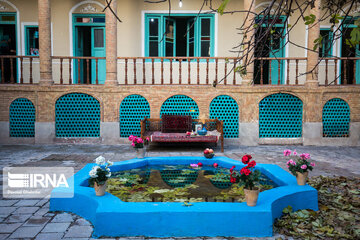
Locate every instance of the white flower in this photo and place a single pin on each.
(110, 163)
(108, 175)
(100, 160)
(95, 168)
(93, 173)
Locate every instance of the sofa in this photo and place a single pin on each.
(173, 128)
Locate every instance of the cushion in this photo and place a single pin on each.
(176, 124)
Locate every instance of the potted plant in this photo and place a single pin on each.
(299, 165)
(138, 143)
(250, 177)
(99, 174)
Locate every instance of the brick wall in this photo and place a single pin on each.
(247, 97)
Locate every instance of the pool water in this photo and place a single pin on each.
(179, 183)
(151, 179)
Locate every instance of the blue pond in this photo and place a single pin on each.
(112, 217)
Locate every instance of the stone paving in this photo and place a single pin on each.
(31, 219)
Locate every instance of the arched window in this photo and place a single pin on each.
(336, 118)
(225, 108)
(77, 115)
(280, 116)
(180, 105)
(133, 109)
(22, 118)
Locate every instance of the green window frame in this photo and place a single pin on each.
(326, 47)
(159, 38)
(276, 49)
(31, 40)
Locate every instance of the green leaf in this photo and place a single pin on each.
(223, 6)
(335, 18)
(288, 209)
(310, 19)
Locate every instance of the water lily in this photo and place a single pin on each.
(194, 165)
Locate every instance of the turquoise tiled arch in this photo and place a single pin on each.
(225, 108)
(180, 105)
(336, 118)
(22, 118)
(77, 115)
(132, 110)
(280, 116)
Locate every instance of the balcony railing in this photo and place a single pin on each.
(179, 70)
(17, 69)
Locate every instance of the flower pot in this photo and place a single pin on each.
(140, 152)
(99, 189)
(301, 178)
(251, 197)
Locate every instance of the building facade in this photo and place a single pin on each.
(70, 72)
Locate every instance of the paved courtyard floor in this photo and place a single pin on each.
(30, 219)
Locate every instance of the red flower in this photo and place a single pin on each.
(200, 164)
(232, 180)
(245, 171)
(251, 164)
(232, 169)
(215, 165)
(245, 159)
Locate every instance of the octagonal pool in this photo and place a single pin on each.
(113, 217)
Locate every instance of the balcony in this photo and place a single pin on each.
(179, 70)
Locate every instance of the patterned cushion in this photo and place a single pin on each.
(176, 124)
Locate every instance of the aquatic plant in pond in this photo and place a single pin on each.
(179, 183)
(176, 219)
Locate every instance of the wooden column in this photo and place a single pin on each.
(249, 39)
(111, 45)
(45, 42)
(313, 56)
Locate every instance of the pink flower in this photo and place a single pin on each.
(287, 152)
(148, 139)
(303, 166)
(312, 164)
(194, 165)
(293, 163)
(305, 156)
(139, 140)
(295, 153)
(131, 137)
(133, 144)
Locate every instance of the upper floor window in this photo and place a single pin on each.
(32, 40)
(181, 35)
(325, 48)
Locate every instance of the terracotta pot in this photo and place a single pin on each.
(301, 178)
(251, 197)
(100, 189)
(140, 152)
